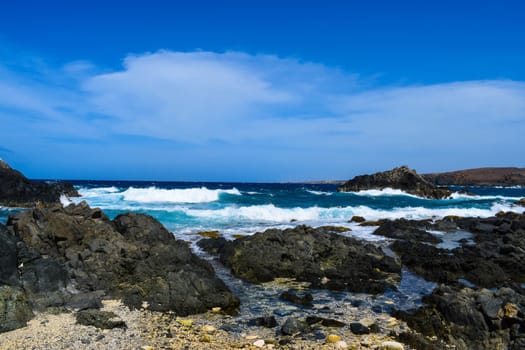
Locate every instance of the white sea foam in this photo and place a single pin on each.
(97, 191)
(272, 214)
(385, 192)
(457, 195)
(65, 201)
(186, 195)
(320, 193)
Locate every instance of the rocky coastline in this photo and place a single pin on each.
(72, 278)
(16, 190)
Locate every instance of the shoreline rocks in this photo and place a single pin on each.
(401, 178)
(62, 257)
(18, 191)
(320, 256)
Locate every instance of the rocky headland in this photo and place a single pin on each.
(16, 190)
(479, 177)
(401, 178)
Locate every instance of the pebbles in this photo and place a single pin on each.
(154, 330)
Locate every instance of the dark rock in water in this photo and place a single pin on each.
(319, 256)
(401, 178)
(303, 299)
(406, 230)
(14, 308)
(497, 257)
(521, 202)
(133, 258)
(99, 319)
(469, 319)
(212, 245)
(357, 219)
(18, 191)
(327, 322)
(264, 321)
(359, 328)
(293, 326)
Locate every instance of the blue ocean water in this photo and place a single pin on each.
(187, 208)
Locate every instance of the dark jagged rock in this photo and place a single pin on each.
(469, 319)
(521, 202)
(319, 256)
(132, 257)
(18, 191)
(303, 299)
(479, 177)
(327, 322)
(264, 321)
(99, 319)
(401, 178)
(14, 308)
(406, 230)
(495, 258)
(359, 328)
(8, 258)
(212, 245)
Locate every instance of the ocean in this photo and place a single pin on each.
(187, 208)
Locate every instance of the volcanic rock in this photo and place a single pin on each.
(469, 319)
(18, 191)
(401, 178)
(133, 258)
(319, 256)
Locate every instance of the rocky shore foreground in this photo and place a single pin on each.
(73, 278)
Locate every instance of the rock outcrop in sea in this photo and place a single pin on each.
(16, 190)
(74, 256)
(401, 178)
(320, 256)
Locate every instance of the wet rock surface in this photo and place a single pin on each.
(18, 191)
(455, 315)
(319, 256)
(74, 256)
(401, 178)
(468, 319)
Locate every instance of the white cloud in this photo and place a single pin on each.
(267, 104)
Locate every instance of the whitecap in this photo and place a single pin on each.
(185, 195)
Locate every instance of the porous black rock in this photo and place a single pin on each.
(465, 318)
(99, 319)
(133, 258)
(320, 256)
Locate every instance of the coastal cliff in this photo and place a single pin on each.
(479, 177)
(16, 190)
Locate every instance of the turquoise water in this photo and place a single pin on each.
(243, 208)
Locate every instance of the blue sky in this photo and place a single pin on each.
(259, 90)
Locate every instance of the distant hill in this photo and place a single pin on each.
(479, 177)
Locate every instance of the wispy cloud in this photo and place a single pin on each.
(280, 114)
